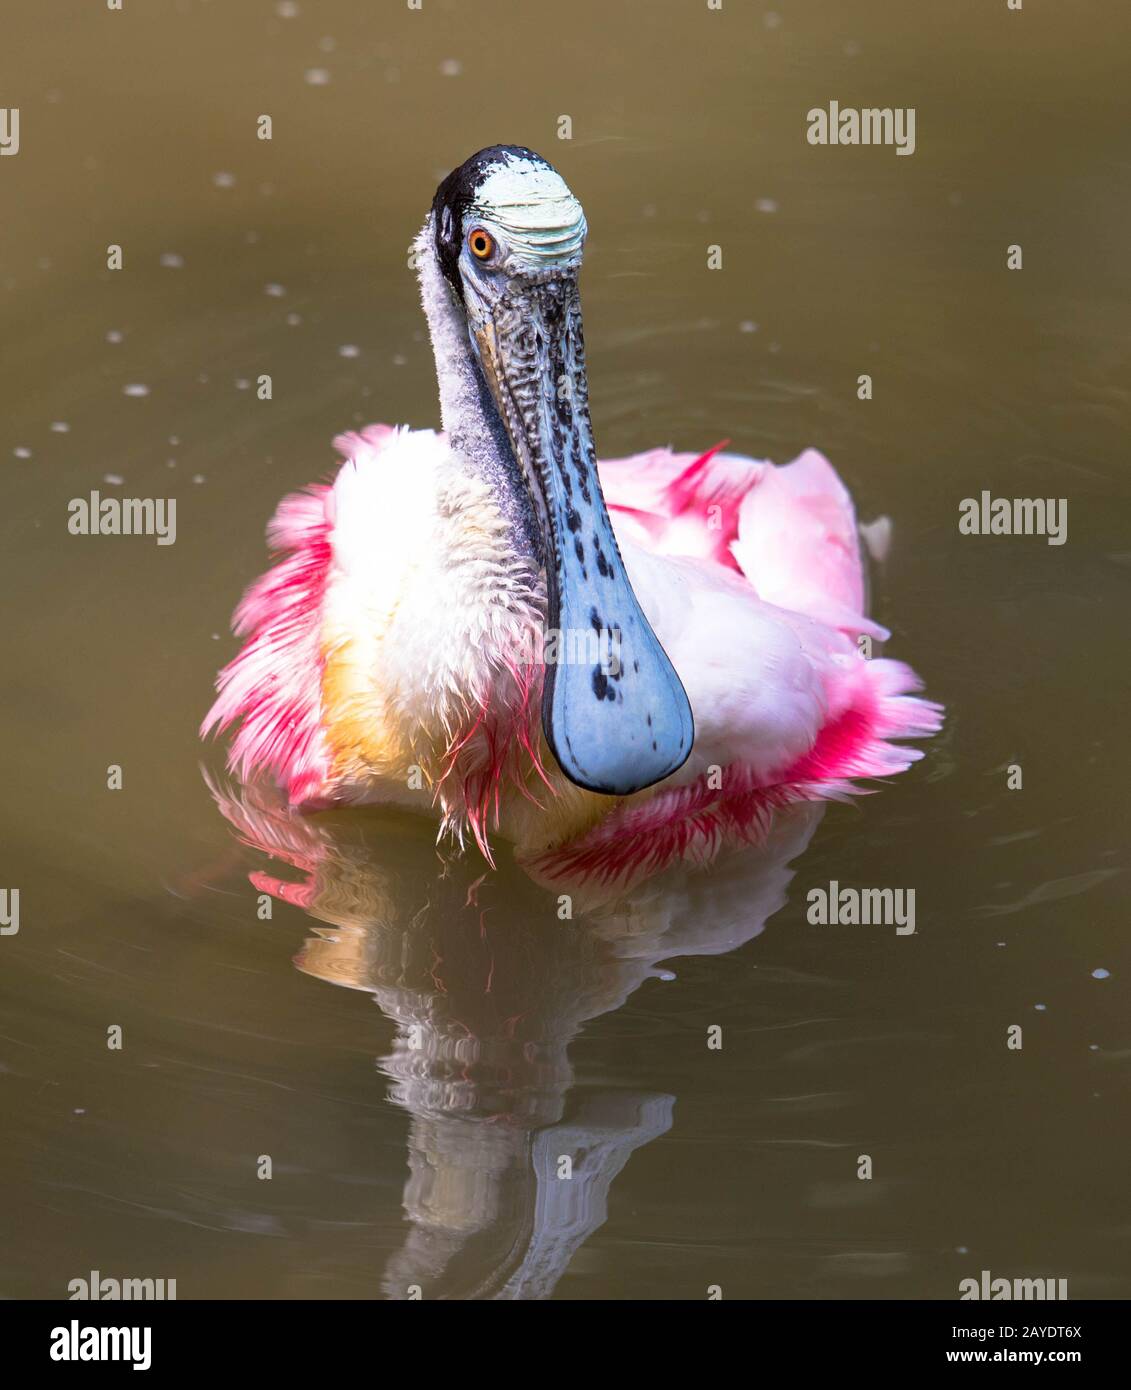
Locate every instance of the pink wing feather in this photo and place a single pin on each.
(791, 532)
(273, 688)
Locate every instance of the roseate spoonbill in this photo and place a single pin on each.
(704, 612)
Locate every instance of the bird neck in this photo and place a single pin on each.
(475, 432)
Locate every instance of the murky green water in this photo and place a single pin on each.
(417, 1046)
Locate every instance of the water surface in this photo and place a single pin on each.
(416, 1046)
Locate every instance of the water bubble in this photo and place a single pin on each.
(22, 452)
(224, 180)
(60, 427)
(135, 388)
(275, 291)
(748, 326)
(766, 205)
(113, 336)
(349, 350)
(451, 67)
(1101, 974)
(316, 77)
(114, 479)
(171, 260)
(286, 9)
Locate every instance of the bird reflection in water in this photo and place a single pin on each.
(488, 978)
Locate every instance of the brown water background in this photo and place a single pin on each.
(288, 257)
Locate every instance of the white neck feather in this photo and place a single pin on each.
(475, 432)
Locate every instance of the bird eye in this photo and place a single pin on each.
(482, 243)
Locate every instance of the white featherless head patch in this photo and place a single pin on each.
(531, 205)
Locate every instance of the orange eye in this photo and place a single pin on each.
(482, 243)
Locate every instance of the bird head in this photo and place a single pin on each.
(508, 237)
